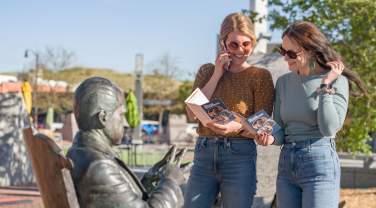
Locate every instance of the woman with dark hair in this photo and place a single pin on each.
(310, 105)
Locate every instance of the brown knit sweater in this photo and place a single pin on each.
(245, 92)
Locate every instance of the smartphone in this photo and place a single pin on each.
(227, 65)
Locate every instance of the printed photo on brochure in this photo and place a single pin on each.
(261, 122)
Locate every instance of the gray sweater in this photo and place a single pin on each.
(303, 113)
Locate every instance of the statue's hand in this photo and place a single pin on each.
(150, 179)
(175, 170)
(165, 168)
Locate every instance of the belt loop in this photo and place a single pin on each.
(227, 143)
(311, 141)
(204, 142)
(333, 143)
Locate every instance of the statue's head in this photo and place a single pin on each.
(99, 104)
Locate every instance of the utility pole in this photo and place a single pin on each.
(37, 73)
(139, 65)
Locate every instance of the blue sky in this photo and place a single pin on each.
(108, 33)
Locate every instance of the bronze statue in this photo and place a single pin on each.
(101, 179)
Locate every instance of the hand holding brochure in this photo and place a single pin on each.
(261, 122)
(208, 111)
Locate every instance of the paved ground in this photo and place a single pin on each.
(359, 198)
(30, 198)
(20, 198)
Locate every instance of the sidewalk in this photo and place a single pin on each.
(20, 198)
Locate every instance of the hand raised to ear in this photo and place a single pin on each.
(337, 67)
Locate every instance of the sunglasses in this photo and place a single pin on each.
(246, 45)
(289, 53)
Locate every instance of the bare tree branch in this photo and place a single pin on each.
(166, 66)
(58, 58)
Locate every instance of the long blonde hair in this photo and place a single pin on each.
(237, 22)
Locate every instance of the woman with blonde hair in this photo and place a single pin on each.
(225, 157)
(310, 105)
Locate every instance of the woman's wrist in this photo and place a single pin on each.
(325, 89)
(249, 134)
(326, 81)
(217, 74)
(239, 131)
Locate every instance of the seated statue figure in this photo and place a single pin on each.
(101, 179)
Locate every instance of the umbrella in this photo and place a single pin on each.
(26, 92)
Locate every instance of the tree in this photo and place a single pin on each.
(58, 58)
(51, 60)
(185, 89)
(350, 26)
(166, 66)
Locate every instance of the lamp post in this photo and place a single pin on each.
(139, 64)
(35, 82)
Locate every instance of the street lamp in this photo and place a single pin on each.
(139, 64)
(35, 82)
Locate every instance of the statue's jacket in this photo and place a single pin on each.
(102, 180)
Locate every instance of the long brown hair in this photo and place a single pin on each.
(308, 36)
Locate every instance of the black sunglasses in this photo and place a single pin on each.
(289, 53)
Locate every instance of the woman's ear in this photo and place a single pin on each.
(102, 117)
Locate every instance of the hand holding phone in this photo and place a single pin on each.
(222, 63)
(227, 64)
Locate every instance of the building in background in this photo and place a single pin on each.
(261, 28)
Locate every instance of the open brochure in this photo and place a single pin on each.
(261, 122)
(208, 111)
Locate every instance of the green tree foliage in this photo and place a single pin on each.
(351, 27)
(132, 115)
(185, 89)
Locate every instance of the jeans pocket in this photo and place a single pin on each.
(197, 151)
(242, 147)
(200, 143)
(336, 164)
(317, 165)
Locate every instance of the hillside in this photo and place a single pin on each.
(154, 86)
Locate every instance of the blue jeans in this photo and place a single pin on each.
(308, 175)
(226, 165)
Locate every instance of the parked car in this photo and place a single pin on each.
(150, 131)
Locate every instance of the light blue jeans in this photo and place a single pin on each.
(225, 165)
(308, 175)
